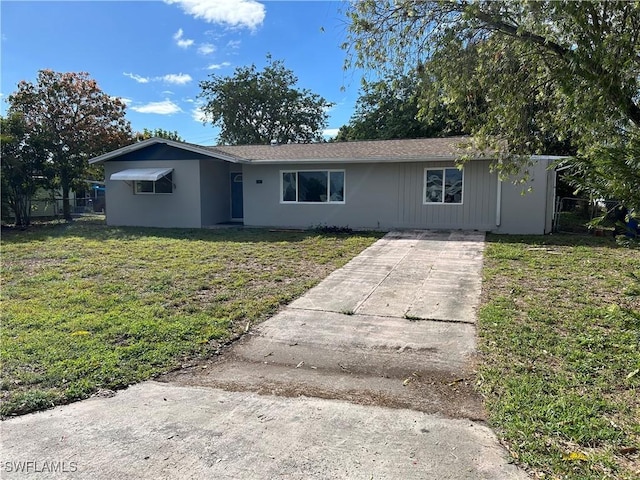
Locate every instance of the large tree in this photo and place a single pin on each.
(23, 167)
(390, 108)
(523, 77)
(74, 119)
(257, 107)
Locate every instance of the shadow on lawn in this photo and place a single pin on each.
(93, 228)
(556, 240)
(96, 229)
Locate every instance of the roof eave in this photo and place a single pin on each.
(172, 143)
(550, 157)
(407, 159)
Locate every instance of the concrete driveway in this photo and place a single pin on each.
(368, 375)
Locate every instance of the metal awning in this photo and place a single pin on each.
(148, 174)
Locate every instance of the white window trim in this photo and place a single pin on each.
(173, 187)
(328, 202)
(424, 186)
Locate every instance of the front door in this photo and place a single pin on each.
(237, 210)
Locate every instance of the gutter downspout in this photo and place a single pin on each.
(554, 187)
(499, 203)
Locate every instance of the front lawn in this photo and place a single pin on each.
(560, 346)
(87, 307)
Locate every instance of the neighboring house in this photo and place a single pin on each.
(383, 184)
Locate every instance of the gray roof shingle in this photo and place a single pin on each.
(369, 150)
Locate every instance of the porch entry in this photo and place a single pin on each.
(237, 209)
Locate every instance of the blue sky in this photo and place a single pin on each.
(154, 53)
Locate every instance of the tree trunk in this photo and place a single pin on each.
(66, 205)
(26, 210)
(21, 206)
(17, 212)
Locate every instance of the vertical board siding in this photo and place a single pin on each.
(381, 195)
(527, 213)
(479, 198)
(159, 151)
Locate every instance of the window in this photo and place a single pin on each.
(312, 186)
(443, 185)
(162, 185)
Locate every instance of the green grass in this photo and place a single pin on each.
(88, 307)
(560, 344)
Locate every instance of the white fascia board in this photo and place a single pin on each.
(550, 157)
(172, 143)
(449, 158)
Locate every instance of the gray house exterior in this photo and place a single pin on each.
(389, 184)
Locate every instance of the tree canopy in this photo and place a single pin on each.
(23, 167)
(390, 108)
(74, 119)
(257, 107)
(159, 133)
(523, 77)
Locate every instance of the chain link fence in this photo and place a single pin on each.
(578, 215)
(52, 207)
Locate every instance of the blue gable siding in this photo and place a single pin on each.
(160, 151)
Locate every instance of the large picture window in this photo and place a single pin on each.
(162, 185)
(312, 186)
(443, 185)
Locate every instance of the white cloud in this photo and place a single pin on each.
(137, 78)
(180, 40)
(218, 66)
(330, 132)
(184, 43)
(199, 115)
(234, 44)
(234, 13)
(170, 78)
(124, 100)
(166, 107)
(206, 49)
(176, 79)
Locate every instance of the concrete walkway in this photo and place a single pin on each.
(368, 375)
